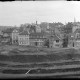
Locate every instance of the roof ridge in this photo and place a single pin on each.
(23, 32)
(58, 36)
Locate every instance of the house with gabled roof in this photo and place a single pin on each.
(37, 39)
(15, 34)
(55, 41)
(23, 38)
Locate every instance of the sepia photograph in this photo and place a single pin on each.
(39, 39)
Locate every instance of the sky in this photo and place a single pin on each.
(20, 12)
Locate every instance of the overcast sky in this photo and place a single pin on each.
(16, 13)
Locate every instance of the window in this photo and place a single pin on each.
(57, 45)
(78, 35)
(20, 42)
(20, 38)
(57, 40)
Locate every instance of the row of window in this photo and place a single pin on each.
(23, 42)
(23, 39)
(37, 40)
(78, 35)
(36, 43)
(36, 36)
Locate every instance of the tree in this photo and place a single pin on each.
(21, 28)
(32, 28)
(46, 43)
(67, 30)
(65, 41)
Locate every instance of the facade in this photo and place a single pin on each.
(71, 40)
(23, 38)
(37, 39)
(55, 41)
(51, 41)
(77, 38)
(15, 34)
(74, 39)
(1, 33)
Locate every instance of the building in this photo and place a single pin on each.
(55, 41)
(1, 33)
(15, 34)
(23, 38)
(77, 38)
(37, 39)
(74, 39)
(71, 40)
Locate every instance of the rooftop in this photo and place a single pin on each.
(77, 31)
(24, 33)
(37, 35)
(55, 37)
